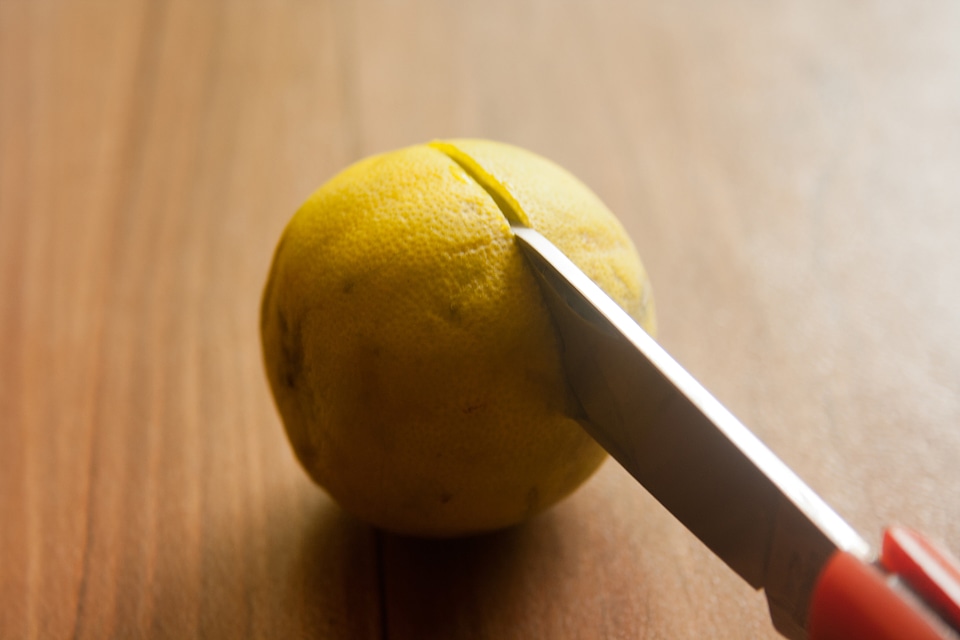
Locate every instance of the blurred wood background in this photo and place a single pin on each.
(789, 171)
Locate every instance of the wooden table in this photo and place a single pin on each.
(789, 171)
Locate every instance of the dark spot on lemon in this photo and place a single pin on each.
(291, 351)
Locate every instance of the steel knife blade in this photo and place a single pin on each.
(686, 448)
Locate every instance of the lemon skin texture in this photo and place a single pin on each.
(410, 354)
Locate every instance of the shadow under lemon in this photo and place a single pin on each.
(560, 574)
(350, 580)
(484, 586)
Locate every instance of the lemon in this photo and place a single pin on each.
(407, 345)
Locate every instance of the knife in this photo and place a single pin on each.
(820, 577)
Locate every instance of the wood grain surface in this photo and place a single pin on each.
(789, 171)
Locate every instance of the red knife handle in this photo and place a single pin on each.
(857, 601)
(929, 570)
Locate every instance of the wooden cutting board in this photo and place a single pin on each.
(789, 171)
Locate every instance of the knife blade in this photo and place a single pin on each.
(689, 451)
